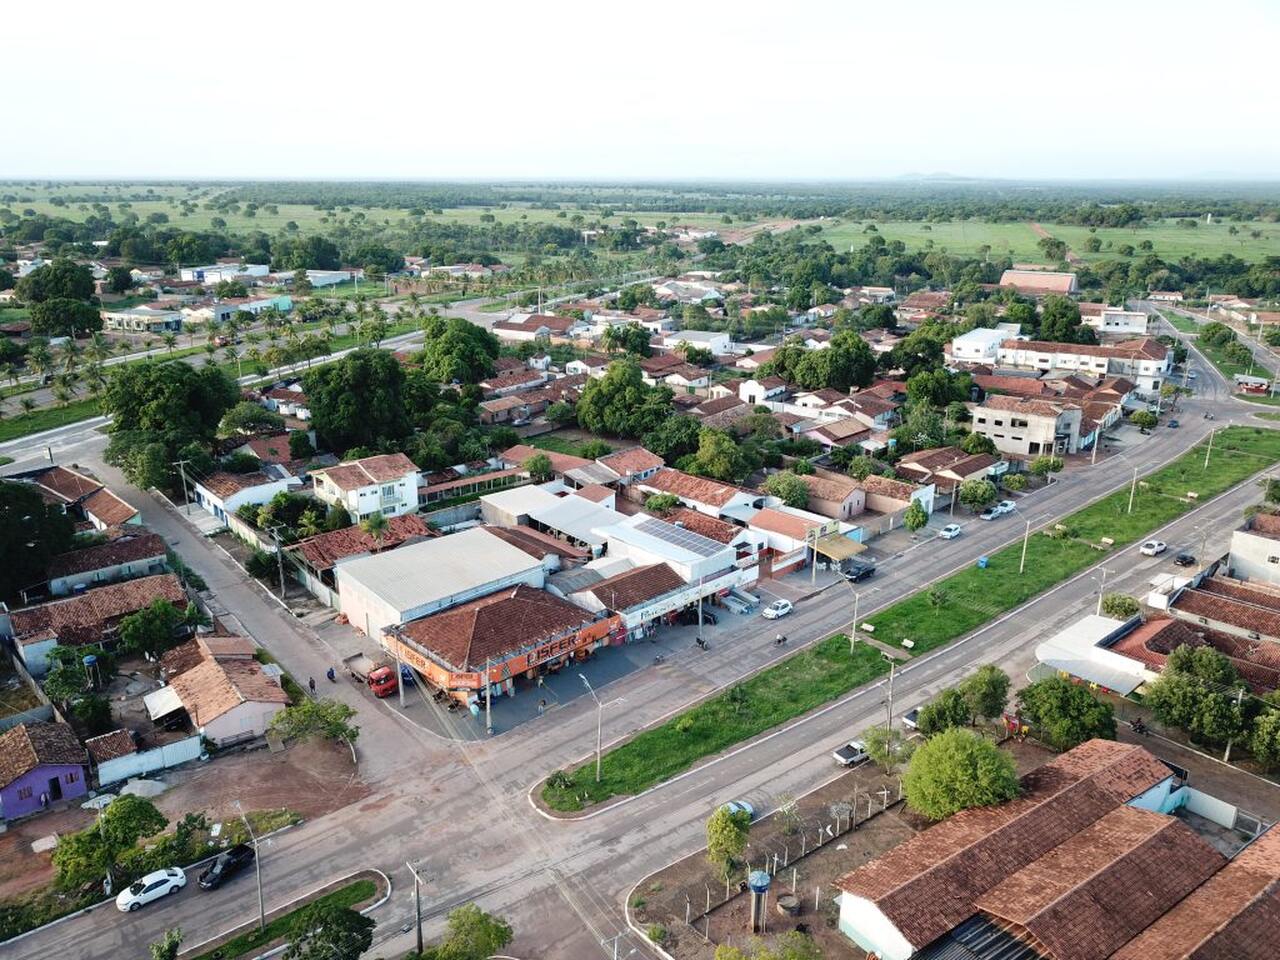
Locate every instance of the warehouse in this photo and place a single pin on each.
(422, 578)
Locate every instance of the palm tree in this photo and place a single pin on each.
(170, 341)
(27, 404)
(375, 525)
(231, 353)
(61, 394)
(99, 347)
(39, 359)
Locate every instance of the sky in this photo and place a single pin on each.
(798, 90)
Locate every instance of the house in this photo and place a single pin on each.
(407, 583)
(222, 493)
(575, 519)
(84, 618)
(891, 497)
(512, 381)
(1090, 861)
(754, 361)
(758, 391)
(713, 529)
(946, 467)
(717, 343)
(642, 539)
(217, 272)
(592, 366)
(872, 410)
(1026, 427)
(522, 327)
(40, 764)
(561, 463)
(478, 649)
(711, 497)
(147, 318)
(1114, 320)
(632, 465)
(273, 450)
(982, 344)
(318, 556)
(126, 555)
(1234, 607)
(720, 407)
(788, 535)
(685, 376)
(228, 695)
(838, 433)
(1039, 283)
(925, 301)
(288, 400)
(834, 495)
(1146, 362)
(81, 496)
(1165, 296)
(513, 408)
(818, 399)
(385, 484)
(1255, 550)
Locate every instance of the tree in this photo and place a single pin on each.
(375, 525)
(60, 278)
(561, 413)
(538, 466)
(1065, 715)
(621, 404)
(721, 457)
(1046, 464)
(1120, 605)
(915, 516)
(1060, 322)
(166, 948)
(1200, 691)
(628, 338)
(674, 438)
(87, 856)
(1264, 741)
(302, 285)
(662, 503)
(151, 630)
(93, 713)
(358, 400)
(1013, 482)
(887, 747)
(247, 417)
(119, 279)
(594, 449)
(31, 534)
(785, 485)
(956, 770)
(976, 443)
(327, 931)
(948, 709)
(847, 362)
(457, 351)
(63, 317)
(1144, 419)
(300, 445)
(985, 692)
(316, 717)
(473, 935)
(727, 838)
(976, 494)
(861, 467)
(792, 945)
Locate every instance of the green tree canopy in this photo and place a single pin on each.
(63, 317)
(915, 516)
(457, 351)
(976, 443)
(948, 709)
(539, 466)
(86, 857)
(1121, 606)
(1199, 691)
(621, 404)
(167, 947)
(61, 278)
(358, 400)
(1065, 715)
(151, 630)
(727, 838)
(247, 417)
(976, 494)
(627, 338)
(316, 717)
(887, 747)
(956, 770)
(472, 935)
(31, 534)
(327, 931)
(985, 692)
(785, 485)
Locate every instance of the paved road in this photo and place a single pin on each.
(461, 810)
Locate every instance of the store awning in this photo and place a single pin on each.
(162, 702)
(1120, 681)
(839, 547)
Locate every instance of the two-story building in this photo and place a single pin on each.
(1027, 426)
(385, 484)
(1146, 362)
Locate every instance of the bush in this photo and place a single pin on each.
(957, 770)
(1144, 419)
(1120, 605)
(261, 565)
(1014, 482)
(657, 933)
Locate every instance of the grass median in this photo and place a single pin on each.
(47, 418)
(930, 618)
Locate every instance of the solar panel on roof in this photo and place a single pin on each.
(680, 537)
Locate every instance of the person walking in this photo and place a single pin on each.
(311, 682)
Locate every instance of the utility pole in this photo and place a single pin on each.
(1026, 536)
(888, 720)
(853, 624)
(279, 556)
(1209, 450)
(488, 699)
(1133, 488)
(182, 469)
(1102, 587)
(1226, 756)
(700, 582)
(599, 720)
(417, 900)
(257, 867)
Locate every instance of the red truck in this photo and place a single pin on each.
(380, 677)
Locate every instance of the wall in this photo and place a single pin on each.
(146, 761)
(37, 780)
(62, 586)
(451, 516)
(1211, 808)
(250, 717)
(1251, 557)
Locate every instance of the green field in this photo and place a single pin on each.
(25, 424)
(1181, 323)
(1015, 240)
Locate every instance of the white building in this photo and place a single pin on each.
(421, 578)
(981, 345)
(1115, 320)
(1028, 427)
(137, 554)
(1146, 362)
(715, 499)
(574, 519)
(143, 319)
(1255, 550)
(717, 343)
(217, 272)
(385, 484)
(223, 493)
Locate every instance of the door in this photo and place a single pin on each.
(55, 789)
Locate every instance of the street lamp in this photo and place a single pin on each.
(257, 867)
(599, 718)
(418, 880)
(1102, 586)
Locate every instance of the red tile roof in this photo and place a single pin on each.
(30, 745)
(354, 474)
(324, 550)
(538, 544)
(496, 627)
(217, 685)
(110, 746)
(1245, 607)
(560, 462)
(1023, 405)
(1145, 348)
(1038, 281)
(787, 524)
(83, 619)
(631, 461)
(710, 527)
(66, 484)
(888, 487)
(113, 553)
(1258, 663)
(830, 488)
(634, 587)
(107, 508)
(1266, 524)
(223, 484)
(274, 449)
(1022, 386)
(687, 487)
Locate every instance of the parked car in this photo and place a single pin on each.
(225, 866)
(911, 719)
(859, 570)
(777, 609)
(1172, 424)
(1184, 560)
(740, 806)
(1153, 548)
(1006, 506)
(991, 513)
(689, 616)
(153, 886)
(949, 532)
(851, 754)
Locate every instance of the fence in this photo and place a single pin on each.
(41, 711)
(146, 761)
(451, 516)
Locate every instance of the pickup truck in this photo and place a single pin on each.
(851, 754)
(380, 677)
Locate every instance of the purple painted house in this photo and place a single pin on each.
(40, 764)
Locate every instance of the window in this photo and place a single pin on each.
(1015, 422)
(72, 777)
(389, 491)
(982, 420)
(1273, 559)
(24, 793)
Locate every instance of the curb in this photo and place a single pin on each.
(287, 905)
(873, 685)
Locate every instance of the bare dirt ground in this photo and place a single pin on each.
(744, 234)
(310, 778)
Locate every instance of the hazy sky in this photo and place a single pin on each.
(781, 90)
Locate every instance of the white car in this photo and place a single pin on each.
(151, 887)
(949, 532)
(740, 806)
(1153, 548)
(779, 608)
(1006, 506)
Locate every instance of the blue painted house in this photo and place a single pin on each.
(40, 764)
